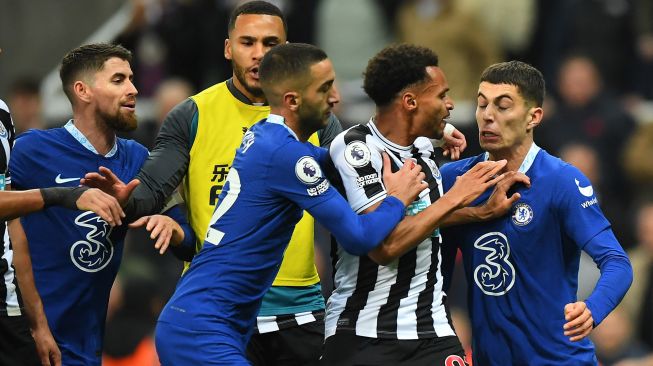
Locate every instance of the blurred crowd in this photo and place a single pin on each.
(596, 56)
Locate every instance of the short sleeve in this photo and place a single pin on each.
(360, 167)
(577, 206)
(297, 175)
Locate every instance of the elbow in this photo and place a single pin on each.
(382, 255)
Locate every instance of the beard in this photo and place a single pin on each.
(240, 75)
(312, 117)
(121, 122)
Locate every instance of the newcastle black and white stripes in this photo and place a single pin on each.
(9, 303)
(404, 299)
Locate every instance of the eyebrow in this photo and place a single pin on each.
(122, 75)
(501, 96)
(265, 39)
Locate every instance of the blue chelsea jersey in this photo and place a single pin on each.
(522, 269)
(75, 254)
(273, 178)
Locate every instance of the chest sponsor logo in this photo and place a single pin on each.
(585, 191)
(522, 214)
(357, 154)
(495, 275)
(95, 251)
(60, 180)
(308, 170)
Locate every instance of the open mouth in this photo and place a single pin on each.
(253, 72)
(131, 105)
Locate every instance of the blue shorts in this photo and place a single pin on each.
(180, 346)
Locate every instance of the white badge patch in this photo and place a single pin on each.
(522, 214)
(3, 131)
(357, 154)
(585, 191)
(308, 170)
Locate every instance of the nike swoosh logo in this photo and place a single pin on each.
(60, 180)
(585, 191)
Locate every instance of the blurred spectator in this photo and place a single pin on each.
(513, 32)
(638, 157)
(587, 113)
(463, 330)
(587, 160)
(639, 300)
(643, 23)
(614, 340)
(167, 95)
(25, 104)
(465, 47)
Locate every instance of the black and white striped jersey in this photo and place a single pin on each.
(9, 303)
(403, 300)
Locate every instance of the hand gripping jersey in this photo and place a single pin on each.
(522, 268)
(403, 300)
(75, 254)
(274, 177)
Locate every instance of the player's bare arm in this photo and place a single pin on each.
(19, 203)
(413, 229)
(46, 347)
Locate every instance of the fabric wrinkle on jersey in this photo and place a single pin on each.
(404, 299)
(75, 254)
(521, 266)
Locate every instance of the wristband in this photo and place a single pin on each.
(446, 132)
(62, 196)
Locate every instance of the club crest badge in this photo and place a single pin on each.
(308, 170)
(357, 154)
(522, 214)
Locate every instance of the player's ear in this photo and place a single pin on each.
(409, 101)
(535, 115)
(82, 91)
(292, 100)
(227, 49)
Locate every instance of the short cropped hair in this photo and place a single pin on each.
(528, 80)
(256, 7)
(395, 68)
(88, 58)
(290, 61)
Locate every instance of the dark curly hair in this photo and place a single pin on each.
(394, 68)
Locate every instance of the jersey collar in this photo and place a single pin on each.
(528, 160)
(79, 136)
(279, 120)
(390, 144)
(238, 94)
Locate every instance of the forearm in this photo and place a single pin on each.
(18, 203)
(616, 275)
(23, 265)
(412, 230)
(466, 215)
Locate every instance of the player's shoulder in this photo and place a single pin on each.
(564, 176)
(216, 90)
(3, 106)
(132, 146)
(33, 137)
